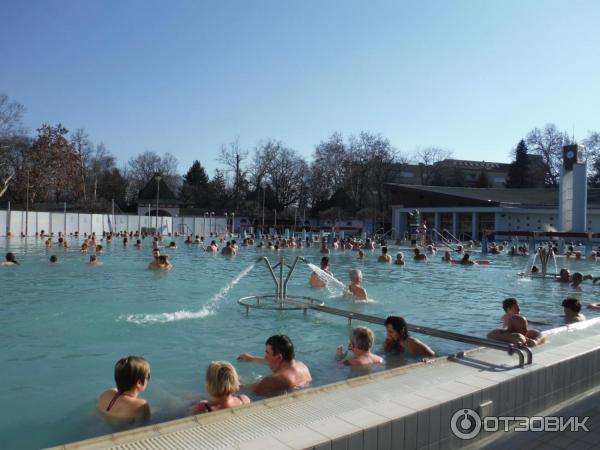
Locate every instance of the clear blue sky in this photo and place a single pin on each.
(186, 76)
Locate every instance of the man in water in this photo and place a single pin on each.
(419, 256)
(287, 372)
(517, 333)
(572, 309)
(398, 340)
(94, 261)
(315, 280)
(511, 308)
(355, 287)
(10, 260)
(154, 263)
(384, 257)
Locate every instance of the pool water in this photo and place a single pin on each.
(64, 326)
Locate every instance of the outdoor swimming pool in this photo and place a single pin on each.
(64, 326)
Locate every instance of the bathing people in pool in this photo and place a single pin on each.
(355, 288)
(54, 259)
(361, 343)
(94, 261)
(384, 257)
(398, 339)
(222, 383)
(399, 259)
(227, 250)
(511, 308)
(212, 247)
(517, 332)
(361, 254)
(132, 375)
(173, 244)
(572, 309)
(11, 260)
(163, 263)
(154, 263)
(315, 280)
(447, 257)
(369, 245)
(419, 256)
(287, 372)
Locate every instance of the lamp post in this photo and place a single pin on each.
(210, 222)
(27, 208)
(204, 226)
(158, 178)
(275, 225)
(226, 225)
(232, 223)
(263, 209)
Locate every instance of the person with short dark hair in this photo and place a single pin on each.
(517, 332)
(384, 257)
(11, 260)
(418, 255)
(132, 375)
(511, 308)
(53, 259)
(287, 372)
(398, 340)
(572, 309)
(315, 280)
(94, 261)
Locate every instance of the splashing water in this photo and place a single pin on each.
(333, 285)
(206, 310)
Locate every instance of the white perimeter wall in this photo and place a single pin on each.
(56, 222)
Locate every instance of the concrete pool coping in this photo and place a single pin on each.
(408, 407)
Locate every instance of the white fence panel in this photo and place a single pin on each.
(31, 223)
(107, 222)
(16, 222)
(72, 223)
(97, 224)
(43, 223)
(188, 223)
(134, 223)
(85, 223)
(57, 223)
(144, 222)
(3, 222)
(121, 223)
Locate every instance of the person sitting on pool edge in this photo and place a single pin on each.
(572, 309)
(384, 257)
(287, 372)
(132, 375)
(398, 340)
(361, 343)
(222, 383)
(355, 288)
(315, 280)
(517, 332)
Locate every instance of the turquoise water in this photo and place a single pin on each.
(64, 326)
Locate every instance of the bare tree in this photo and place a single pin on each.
(232, 157)
(548, 143)
(12, 135)
(427, 159)
(143, 167)
(83, 148)
(592, 147)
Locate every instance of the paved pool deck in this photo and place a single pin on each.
(405, 408)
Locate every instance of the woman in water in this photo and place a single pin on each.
(398, 340)
(132, 375)
(222, 384)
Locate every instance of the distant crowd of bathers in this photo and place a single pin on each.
(222, 384)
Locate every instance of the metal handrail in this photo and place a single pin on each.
(451, 235)
(445, 241)
(483, 342)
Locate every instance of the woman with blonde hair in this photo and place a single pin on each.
(221, 384)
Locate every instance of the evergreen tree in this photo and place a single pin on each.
(518, 172)
(195, 188)
(217, 188)
(483, 181)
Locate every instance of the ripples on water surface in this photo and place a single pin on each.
(64, 326)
